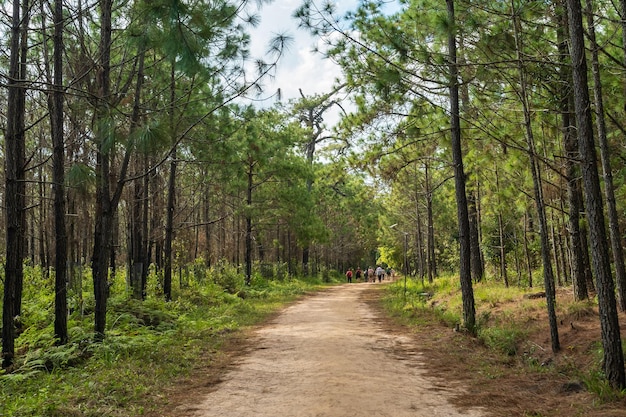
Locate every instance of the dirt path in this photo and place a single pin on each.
(327, 356)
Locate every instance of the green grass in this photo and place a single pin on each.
(504, 323)
(148, 344)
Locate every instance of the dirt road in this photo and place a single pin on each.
(327, 356)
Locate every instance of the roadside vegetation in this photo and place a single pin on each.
(512, 343)
(150, 344)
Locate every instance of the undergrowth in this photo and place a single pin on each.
(505, 322)
(149, 344)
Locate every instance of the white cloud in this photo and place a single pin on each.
(301, 67)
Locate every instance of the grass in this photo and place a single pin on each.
(514, 332)
(148, 346)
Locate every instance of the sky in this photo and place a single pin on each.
(300, 68)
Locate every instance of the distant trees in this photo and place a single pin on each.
(124, 150)
(518, 87)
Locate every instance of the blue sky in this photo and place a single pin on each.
(300, 67)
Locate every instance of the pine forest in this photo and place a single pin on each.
(147, 163)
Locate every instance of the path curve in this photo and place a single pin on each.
(327, 356)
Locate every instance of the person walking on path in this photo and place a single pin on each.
(359, 273)
(370, 275)
(349, 275)
(380, 273)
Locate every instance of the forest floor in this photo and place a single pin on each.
(336, 354)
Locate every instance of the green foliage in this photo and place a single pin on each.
(226, 276)
(504, 330)
(111, 378)
(598, 384)
(504, 339)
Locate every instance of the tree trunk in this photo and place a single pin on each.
(58, 162)
(137, 240)
(103, 212)
(611, 340)
(503, 270)
(529, 267)
(555, 253)
(419, 240)
(171, 200)
(548, 274)
(609, 192)
(476, 261)
(248, 240)
(145, 228)
(15, 186)
(469, 311)
(139, 265)
(206, 205)
(431, 263)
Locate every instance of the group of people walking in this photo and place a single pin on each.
(368, 275)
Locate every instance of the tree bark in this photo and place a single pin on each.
(139, 264)
(171, 203)
(611, 339)
(431, 261)
(548, 273)
(58, 162)
(103, 212)
(248, 239)
(503, 266)
(609, 192)
(476, 261)
(14, 184)
(469, 311)
(570, 143)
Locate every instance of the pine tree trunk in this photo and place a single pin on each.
(609, 192)
(610, 330)
(169, 229)
(529, 267)
(548, 273)
(475, 250)
(469, 311)
(103, 212)
(58, 162)
(503, 271)
(138, 269)
(14, 189)
(431, 263)
(248, 240)
(171, 201)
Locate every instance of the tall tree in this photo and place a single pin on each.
(104, 206)
(609, 189)
(15, 189)
(611, 340)
(570, 144)
(469, 311)
(311, 112)
(58, 161)
(548, 274)
(171, 193)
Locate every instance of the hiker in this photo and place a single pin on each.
(370, 274)
(359, 273)
(349, 275)
(380, 273)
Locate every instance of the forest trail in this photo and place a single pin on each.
(329, 355)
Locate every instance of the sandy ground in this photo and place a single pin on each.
(327, 356)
